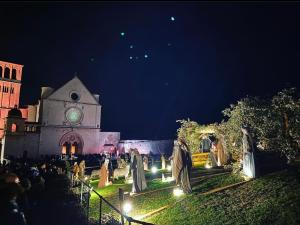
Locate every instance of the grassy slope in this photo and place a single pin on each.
(273, 199)
(148, 202)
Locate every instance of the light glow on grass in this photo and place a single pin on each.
(129, 180)
(127, 207)
(108, 183)
(154, 169)
(169, 168)
(168, 179)
(139, 217)
(177, 192)
(208, 166)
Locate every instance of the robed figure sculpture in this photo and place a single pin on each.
(182, 165)
(248, 154)
(137, 172)
(103, 174)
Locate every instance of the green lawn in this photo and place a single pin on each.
(273, 199)
(148, 202)
(111, 194)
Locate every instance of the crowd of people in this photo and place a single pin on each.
(23, 181)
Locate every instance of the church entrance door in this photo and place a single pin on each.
(71, 143)
(66, 148)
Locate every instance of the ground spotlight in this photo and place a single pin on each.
(207, 166)
(177, 192)
(169, 168)
(154, 169)
(127, 207)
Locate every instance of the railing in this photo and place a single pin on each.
(85, 195)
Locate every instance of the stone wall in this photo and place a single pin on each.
(15, 145)
(146, 146)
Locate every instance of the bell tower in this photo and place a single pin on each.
(10, 85)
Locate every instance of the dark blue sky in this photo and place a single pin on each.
(217, 53)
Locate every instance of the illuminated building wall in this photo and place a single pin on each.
(10, 86)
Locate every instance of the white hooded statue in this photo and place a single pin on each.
(248, 154)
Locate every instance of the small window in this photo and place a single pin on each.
(11, 90)
(7, 73)
(14, 74)
(14, 127)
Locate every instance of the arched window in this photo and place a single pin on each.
(11, 90)
(1, 71)
(14, 127)
(6, 73)
(14, 74)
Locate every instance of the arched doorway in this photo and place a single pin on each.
(71, 143)
(66, 148)
(74, 148)
(210, 141)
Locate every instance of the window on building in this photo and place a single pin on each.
(1, 71)
(14, 127)
(5, 89)
(6, 73)
(11, 90)
(14, 74)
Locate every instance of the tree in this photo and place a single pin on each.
(274, 124)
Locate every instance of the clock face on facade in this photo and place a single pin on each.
(74, 115)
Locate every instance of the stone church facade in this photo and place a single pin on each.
(64, 121)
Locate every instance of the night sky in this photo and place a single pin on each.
(155, 63)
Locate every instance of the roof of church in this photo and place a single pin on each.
(74, 78)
